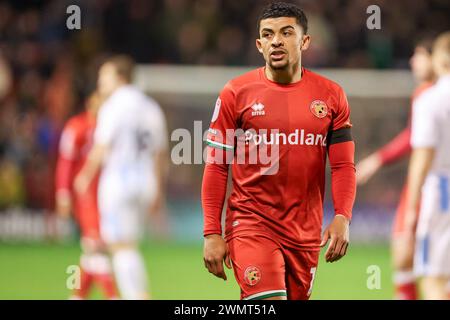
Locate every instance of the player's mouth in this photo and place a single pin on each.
(277, 55)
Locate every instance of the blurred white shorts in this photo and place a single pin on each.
(432, 254)
(123, 205)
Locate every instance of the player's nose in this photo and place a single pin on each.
(277, 41)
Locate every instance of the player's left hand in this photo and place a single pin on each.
(338, 233)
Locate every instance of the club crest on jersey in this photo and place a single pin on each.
(252, 275)
(258, 109)
(319, 109)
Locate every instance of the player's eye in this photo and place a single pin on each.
(267, 35)
(287, 33)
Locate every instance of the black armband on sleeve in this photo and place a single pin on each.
(340, 135)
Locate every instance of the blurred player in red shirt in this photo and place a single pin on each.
(75, 143)
(397, 149)
(277, 125)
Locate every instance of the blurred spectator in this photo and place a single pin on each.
(11, 184)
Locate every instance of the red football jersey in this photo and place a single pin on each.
(75, 144)
(278, 135)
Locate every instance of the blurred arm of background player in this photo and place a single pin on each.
(420, 163)
(395, 150)
(65, 172)
(158, 210)
(161, 171)
(64, 176)
(91, 168)
(419, 166)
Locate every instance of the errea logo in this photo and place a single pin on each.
(258, 109)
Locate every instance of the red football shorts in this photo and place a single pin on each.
(264, 268)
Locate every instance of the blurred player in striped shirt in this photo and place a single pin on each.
(429, 179)
(397, 149)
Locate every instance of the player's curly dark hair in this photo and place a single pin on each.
(284, 9)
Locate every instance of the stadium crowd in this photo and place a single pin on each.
(51, 69)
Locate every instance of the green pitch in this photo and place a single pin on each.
(176, 271)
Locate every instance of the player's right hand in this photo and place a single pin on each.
(215, 253)
(366, 168)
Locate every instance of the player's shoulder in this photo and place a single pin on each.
(114, 105)
(421, 89)
(322, 82)
(76, 122)
(125, 92)
(426, 96)
(244, 80)
(430, 102)
(73, 130)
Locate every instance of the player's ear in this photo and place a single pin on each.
(306, 40)
(259, 46)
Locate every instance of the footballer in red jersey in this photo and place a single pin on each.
(75, 143)
(276, 126)
(402, 249)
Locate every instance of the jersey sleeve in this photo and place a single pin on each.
(341, 150)
(221, 133)
(106, 124)
(341, 117)
(425, 131)
(68, 142)
(397, 148)
(67, 154)
(340, 130)
(220, 140)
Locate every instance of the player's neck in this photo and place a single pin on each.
(292, 74)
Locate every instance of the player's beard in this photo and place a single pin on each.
(279, 65)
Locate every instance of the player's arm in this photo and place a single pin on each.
(393, 151)
(398, 148)
(161, 162)
(419, 165)
(424, 139)
(214, 184)
(341, 151)
(161, 171)
(105, 131)
(91, 168)
(214, 187)
(64, 172)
